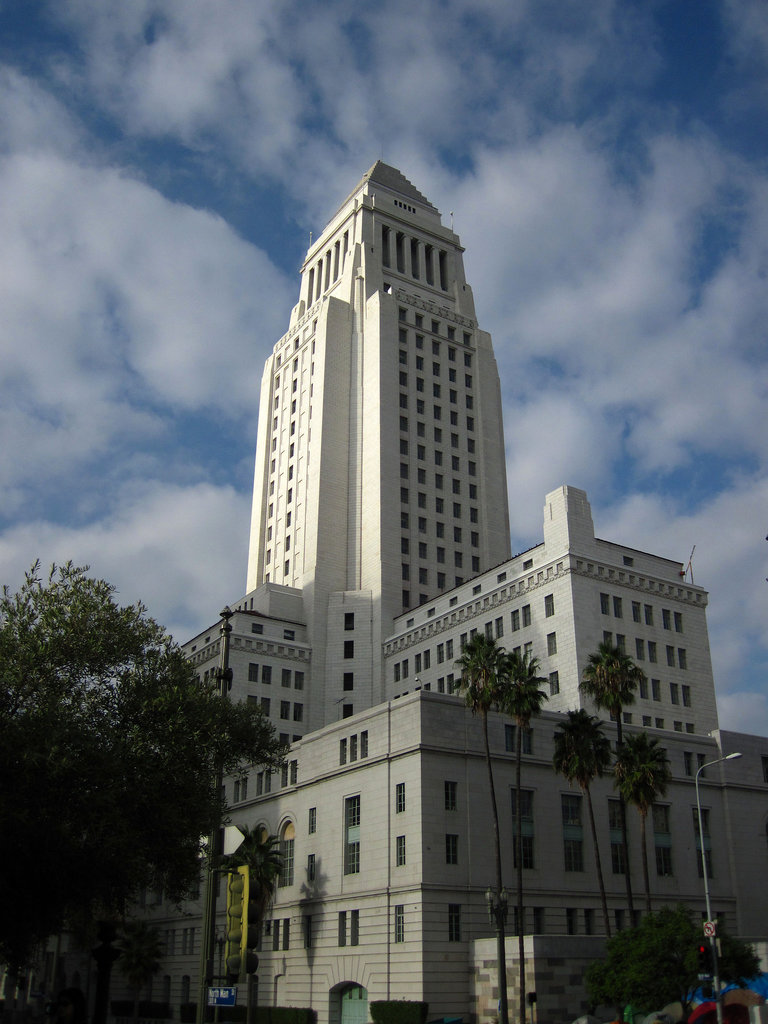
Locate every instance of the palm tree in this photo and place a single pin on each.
(611, 679)
(140, 955)
(482, 667)
(583, 754)
(260, 852)
(522, 699)
(642, 774)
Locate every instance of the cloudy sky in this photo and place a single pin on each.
(163, 162)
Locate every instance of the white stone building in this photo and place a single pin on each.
(379, 544)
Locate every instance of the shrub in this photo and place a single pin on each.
(398, 1011)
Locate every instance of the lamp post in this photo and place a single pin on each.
(497, 912)
(224, 677)
(712, 938)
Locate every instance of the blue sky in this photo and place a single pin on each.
(163, 162)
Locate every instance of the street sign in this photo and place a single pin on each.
(222, 995)
(710, 929)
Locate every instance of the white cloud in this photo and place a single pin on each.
(730, 562)
(120, 309)
(179, 550)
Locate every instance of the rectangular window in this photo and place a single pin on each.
(399, 797)
(666, 618)
(551, 644)
(605, 604)
(451, 795)
(515, 620)
(399, 922)
(678, 622)
(686, 696)
(526, 827)
(285, 677)
(617, 608)
(253, 673)
(618, 862)
(454, 922)
(285, 709)
(352, 835)
(636, 611)
(349, 648)
(399, 850)
(674, 693)
(364, 743)
(554, 683)
(311, 867)
(662, 839)
(656, 689)
(354, 928)
(648, 614)
(682, 658)
(342, 941)
(526, 615)
(639, 649)
(312, 824)
(286, 852)
(652, 652)
(573, 837)
(549, 605)
(451, 848)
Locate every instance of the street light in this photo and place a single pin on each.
(208, 939)
(715, 966)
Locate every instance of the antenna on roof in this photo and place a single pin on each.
(451, 220)
(689, 568)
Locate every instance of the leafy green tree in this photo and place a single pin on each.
(610, 679)
(522, 699)
(111, 748)
(482, 665)
(583, 754)
(141, 952)
(642, 774)
(657, 963)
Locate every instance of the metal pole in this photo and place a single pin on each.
(209, 900)
(712, 938)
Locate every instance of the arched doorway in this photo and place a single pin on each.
(354, 1005)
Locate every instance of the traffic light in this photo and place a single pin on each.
(704, 953)
(242, 931)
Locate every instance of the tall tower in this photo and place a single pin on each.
(380, 476)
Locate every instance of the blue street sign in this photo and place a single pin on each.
(222, 995)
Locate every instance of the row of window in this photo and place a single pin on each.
(676, 657)
(263, 674)
(327, 269)
(434, 328)
(641, 612)
(350, 747)
(186, 946)
(423, 260)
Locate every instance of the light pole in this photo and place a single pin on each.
(208, 938)
(712, 938)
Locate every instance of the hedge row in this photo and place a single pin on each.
(398, 1011)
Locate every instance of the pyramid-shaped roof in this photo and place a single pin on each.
(390, 178)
